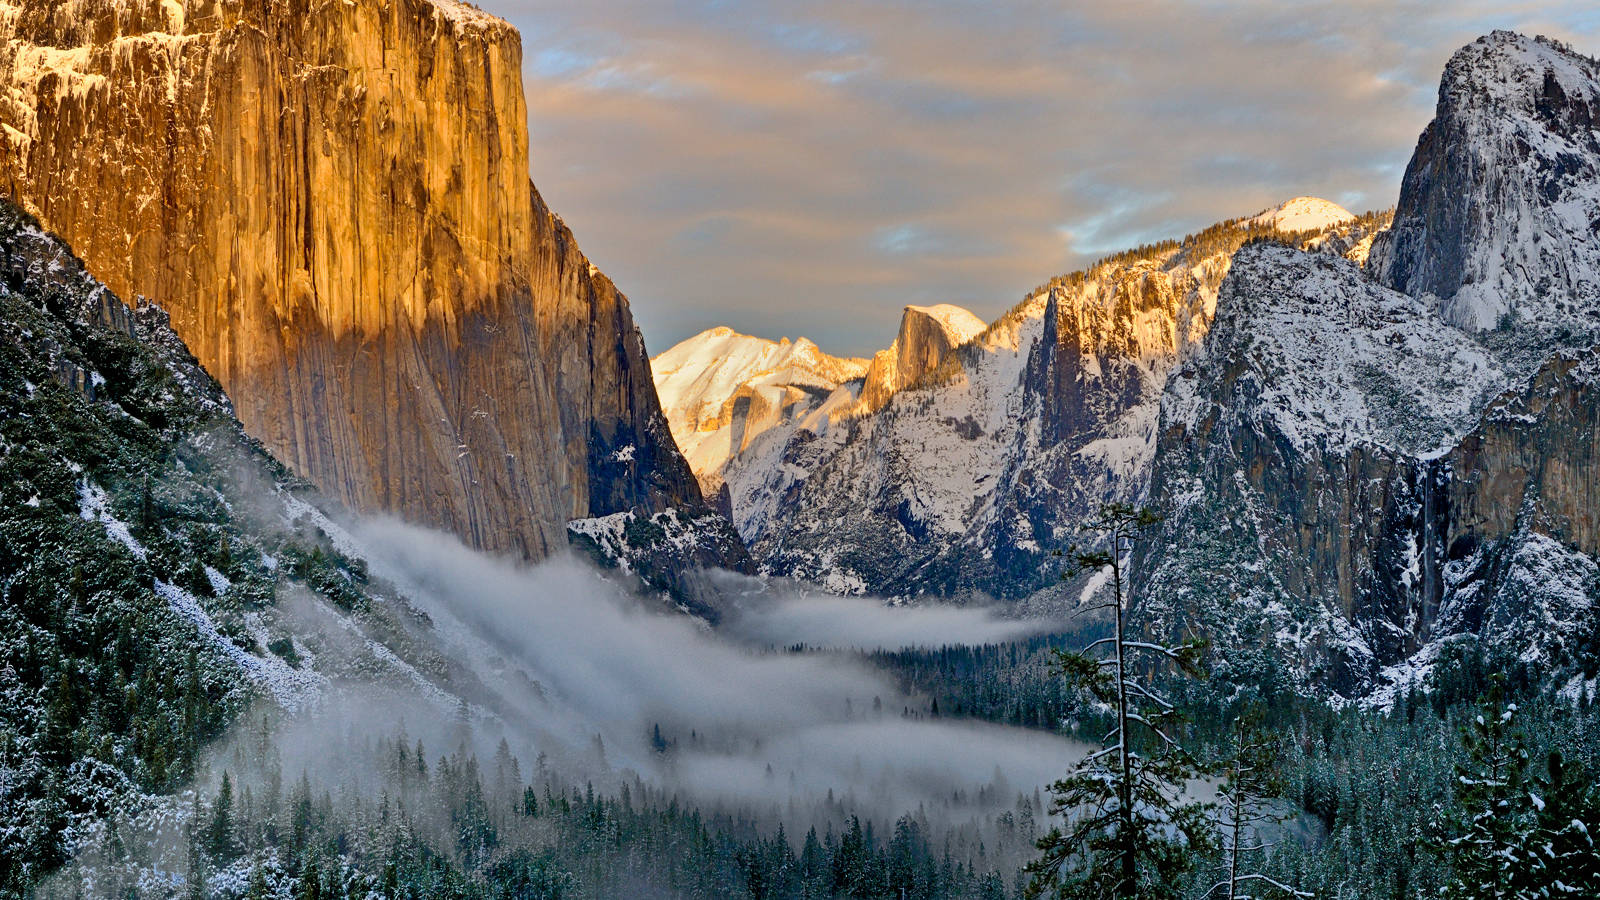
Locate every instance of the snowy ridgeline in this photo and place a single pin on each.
(968, 473)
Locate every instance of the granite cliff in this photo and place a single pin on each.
(928, 336)
(332, 201)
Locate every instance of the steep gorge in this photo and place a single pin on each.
(332, 201)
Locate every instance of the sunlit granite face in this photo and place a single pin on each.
(332, 200)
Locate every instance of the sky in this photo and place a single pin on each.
(809, 168)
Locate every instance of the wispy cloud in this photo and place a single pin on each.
(811, 168)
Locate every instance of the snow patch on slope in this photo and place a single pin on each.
(293, 689)
(1302, 214)
(94, 505)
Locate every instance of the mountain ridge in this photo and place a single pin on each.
(916, 496)
(1421, 488)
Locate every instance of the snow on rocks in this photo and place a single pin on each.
(959, 324)
(1495, 222)
(291, 688)
(1334, 359)
(462, 13)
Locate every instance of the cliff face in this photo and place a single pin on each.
(1499, 205)
(928, 336)
(332, 201)
(1296, 464)
(1350, 516)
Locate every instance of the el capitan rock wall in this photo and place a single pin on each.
(332, 201)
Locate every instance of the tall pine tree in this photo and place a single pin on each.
(1132, 830)
(1491, 827)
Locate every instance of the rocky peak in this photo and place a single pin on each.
(928, 336)
(1499, 209)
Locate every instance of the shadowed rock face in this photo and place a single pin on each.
(332, 201)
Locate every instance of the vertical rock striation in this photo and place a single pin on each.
(332, 201)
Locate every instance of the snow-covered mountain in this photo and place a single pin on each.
(1361, 472)
(971, 469)
(720, 390)
(1498, 208)
(1371, 443)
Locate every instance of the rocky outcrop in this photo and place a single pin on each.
(332, 201)
(1360, 472)
(1535, 458)
(1499, 214)
(1293, 451)
(1346, 557)
(927, 339)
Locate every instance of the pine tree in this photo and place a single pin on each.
(1566, 856)
(1491, 826)
(147, 507)
(219, 838)
(302, 815)
(1252, 777)
(310, 887)
(1130, 830)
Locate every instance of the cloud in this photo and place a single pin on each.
(780, 613)
(811, 168)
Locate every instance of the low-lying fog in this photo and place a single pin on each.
(570, 656)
